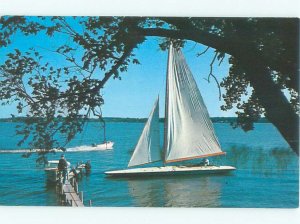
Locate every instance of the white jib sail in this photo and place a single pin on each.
(147, 149)
(189, 131)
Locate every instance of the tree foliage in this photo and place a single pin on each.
(98, 48)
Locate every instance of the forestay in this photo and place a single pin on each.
(189, 131)
(147, 149)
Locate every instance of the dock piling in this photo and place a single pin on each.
(81, 195)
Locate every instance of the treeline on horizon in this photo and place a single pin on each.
(133, 120)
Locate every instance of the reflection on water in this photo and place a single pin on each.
(146, 193)
(179, 191)
(255, 167)
(193, 192)
(50, 193)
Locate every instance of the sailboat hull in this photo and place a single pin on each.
(170, 171)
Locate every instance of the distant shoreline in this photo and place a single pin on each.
(137, 120)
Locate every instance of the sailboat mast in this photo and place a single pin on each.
(166, 107)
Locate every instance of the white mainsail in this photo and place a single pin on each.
(189, 131)
(147, 149)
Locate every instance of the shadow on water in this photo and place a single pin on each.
(259, 160)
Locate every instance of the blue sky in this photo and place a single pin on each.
(134, 95)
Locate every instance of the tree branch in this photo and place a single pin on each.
(203, 52)
(205, 38)
(211, 74)
(115, 67)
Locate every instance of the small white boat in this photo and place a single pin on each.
(108, 145)
(51, 170)
(188, 130)
(104, 146)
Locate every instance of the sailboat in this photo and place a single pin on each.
(188, 130)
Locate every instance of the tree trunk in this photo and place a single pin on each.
(278, 110)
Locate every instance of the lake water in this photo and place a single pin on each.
(266, 176)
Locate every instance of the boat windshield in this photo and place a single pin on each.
(52, 164)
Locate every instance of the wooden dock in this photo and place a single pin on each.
(69, 194)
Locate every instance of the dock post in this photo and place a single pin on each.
(61, 189)
(90, 203)
(63, 199)
(81, 195)
(76, 186)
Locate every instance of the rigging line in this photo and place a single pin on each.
(191, 49)
(104, 124)
(83, 133)
(102, 121)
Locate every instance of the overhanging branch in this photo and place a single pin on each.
(115, 67)
(211, 40)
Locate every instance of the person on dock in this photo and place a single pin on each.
(74, 171)
(63, 168)
(88, 166)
